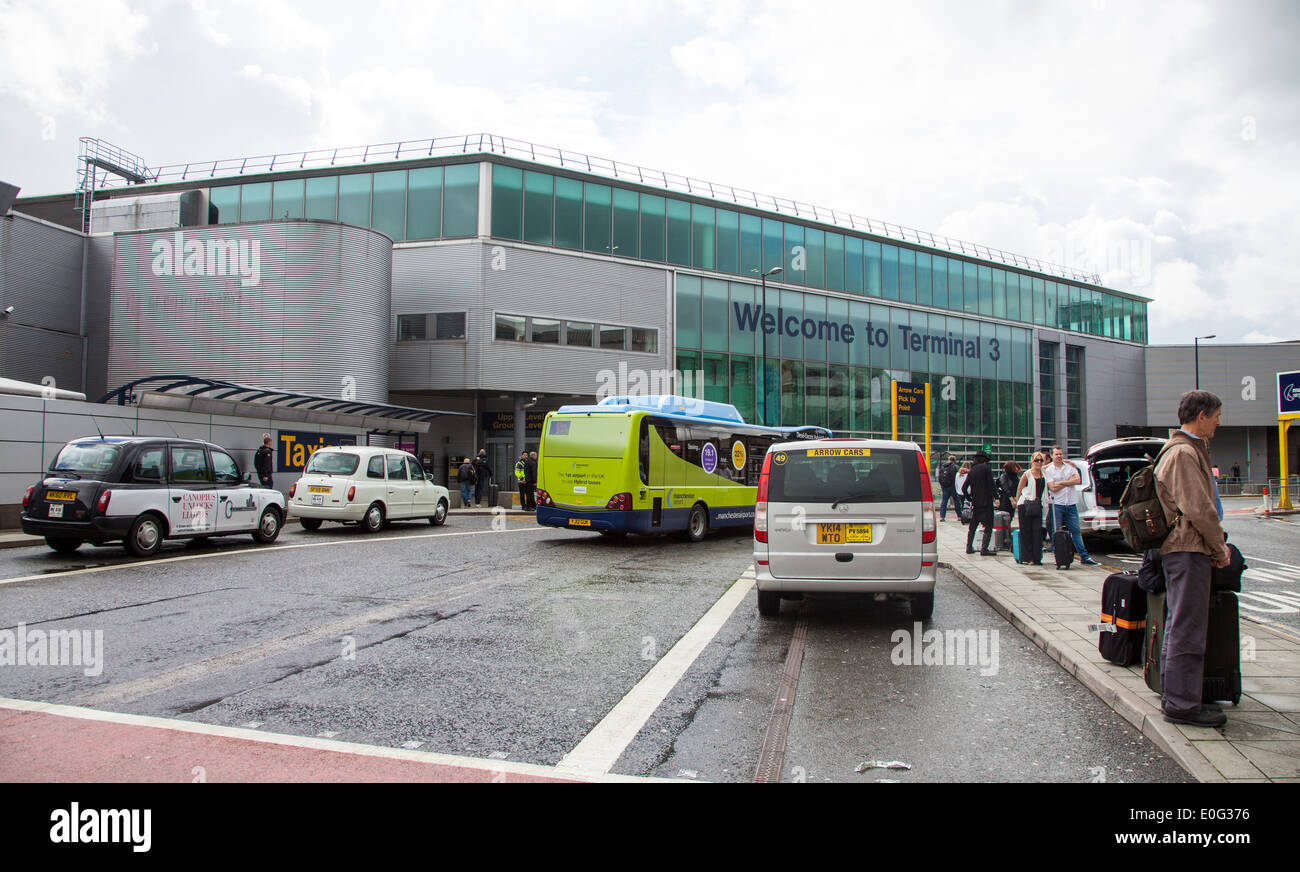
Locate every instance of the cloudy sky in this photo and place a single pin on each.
(1153, 142)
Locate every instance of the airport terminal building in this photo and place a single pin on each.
(504, 279)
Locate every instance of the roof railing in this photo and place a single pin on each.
(488, 143)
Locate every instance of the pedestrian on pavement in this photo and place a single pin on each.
(1007, 486)
(520, 469)
(482, 475)
(1236, 473)
(1063, 482)
(1188, 493)
(948, 482)
(980, 488)
(530, 480)
(465, 475)
(1031, 508)
(263, 461)
(960, 483)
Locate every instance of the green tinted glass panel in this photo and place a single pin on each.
(792, 391)
(999, 294)
(389, 214)
(728, 227)
(713, 322)
(507, 202)
(568, 213)
(815, 327)
(837, 398)
(1050, 312)
(924, 284)
(872, 251)
(814, 243)
(703, 253)
(796, 256)
(716, 378)
(970, 288)
(1040, 302)
(323, 198)
(354, 199)
(773, 253)
(460, 201)
(939, 280)
(423, 203)
(834, 262)
(539, 208)
(789, 306)
(679, 232)
(597, 207)
(907, 275)
(226, 199)
(1011, 283)
(751, 244)
(860, 405)
(652, 227)
(815, 394)
(956, 297)
(688, 311)
(889, 272)
(743, 386)
(255, 202)
(1026, 299)
(626, 231)
(742, 295)
(837, 345)
(984, 280)
(688, 361)
(853, 264)
(286, 199)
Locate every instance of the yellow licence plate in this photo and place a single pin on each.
(318, 489)
(65, 496)
(579, 522)
(842, 534)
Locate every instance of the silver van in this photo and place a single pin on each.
(845, 516)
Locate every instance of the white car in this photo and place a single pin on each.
(1104, 474)
(142, 490)
(367, 486)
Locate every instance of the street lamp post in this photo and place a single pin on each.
(1196, 346)
(776, 270)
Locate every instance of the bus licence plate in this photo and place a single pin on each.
(579, 522)
(841, 534)
(65, 496)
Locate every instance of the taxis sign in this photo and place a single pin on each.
(293, 448)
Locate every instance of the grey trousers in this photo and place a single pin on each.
(1187, 618)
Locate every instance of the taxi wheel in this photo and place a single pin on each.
(268, 527)
(922, 606)
(769, 603)
(145, 537)
(63, 545)
(698, 523)
(440, 514)
(310, 523)
(373, 522)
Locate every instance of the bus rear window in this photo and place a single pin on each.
(594, 436)
(806, 476)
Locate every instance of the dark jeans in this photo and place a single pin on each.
(265, 481)
(527, 499)
(1187, 619)
(980, 515)
(479, 488)
(949, 493)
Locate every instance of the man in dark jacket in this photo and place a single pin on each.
(530, 481)
(465, 476)
(482, 474)
(981, 489)
(263, 461)
(948, 482)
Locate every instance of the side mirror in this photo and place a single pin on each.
(428, 476)
(248, 478)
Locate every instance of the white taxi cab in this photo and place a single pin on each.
(368, 486)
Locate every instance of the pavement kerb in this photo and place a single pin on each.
(1127, 704)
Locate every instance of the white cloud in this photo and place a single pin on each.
(712, 62)
(1258, 336)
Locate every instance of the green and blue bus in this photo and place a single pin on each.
(653, 464)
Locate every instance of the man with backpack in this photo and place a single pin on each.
(482, 474)
(948, 482)
(465, 475)
(1195, 542)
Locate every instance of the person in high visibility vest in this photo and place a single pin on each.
(520, 471)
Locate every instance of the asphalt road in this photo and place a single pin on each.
(513, 644)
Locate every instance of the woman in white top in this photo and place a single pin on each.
(1031, 510)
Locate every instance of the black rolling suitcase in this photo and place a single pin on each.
(1154, 642)
(1063, 548)
(1124, 619)
(1222, 681)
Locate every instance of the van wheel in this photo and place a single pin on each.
(697, 525)
(769, 603)
(373, 522)
(440, 514)
(63, 545)
(145, 537)
(268, 527)
(310, 523)
(922, 606)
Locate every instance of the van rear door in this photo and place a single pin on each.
(828, 502)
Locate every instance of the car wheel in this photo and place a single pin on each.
(310, 523)
(769, 603)
(922, 606)
(63, 545)
(697, 524)
(440, 514)
(268, 526)
(373, 522)
(145, 537)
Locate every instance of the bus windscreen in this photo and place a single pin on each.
(587, 436)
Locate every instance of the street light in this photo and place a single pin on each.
(776, 270)
(1196, 345)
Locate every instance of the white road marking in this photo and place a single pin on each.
(412, 745)
(597, 753)
(1274, 562)
(327, 734)
(264, 550)
(489, 766)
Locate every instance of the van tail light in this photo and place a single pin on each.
(544, 499)
(293, 487)
(620, 502)
(27, 497)
(760, 503)
(929, 525)
(352, 493)
(101, 505)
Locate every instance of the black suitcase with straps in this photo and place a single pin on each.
(1123, 618)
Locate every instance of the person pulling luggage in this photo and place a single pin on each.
(981, 489)
(1031, 498)
(1063, 482)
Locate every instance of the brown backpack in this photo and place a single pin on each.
(1141, 515)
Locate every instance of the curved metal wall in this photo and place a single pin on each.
(296, 305)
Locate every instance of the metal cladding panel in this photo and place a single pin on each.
(304, 308)
(1114, 386)
(99, 283)
(31, 355)
(1170, 372)
(435, 278)
(42, 274)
